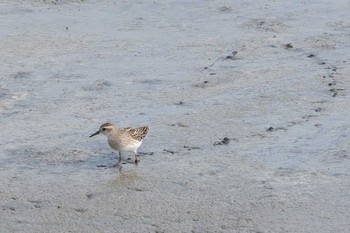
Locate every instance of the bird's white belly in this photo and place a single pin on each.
(132, 147)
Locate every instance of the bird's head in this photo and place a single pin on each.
(105, 129)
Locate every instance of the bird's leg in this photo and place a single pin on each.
(120, 157)
(136, 158)
(119, 161)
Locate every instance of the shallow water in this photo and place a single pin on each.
(69, 66)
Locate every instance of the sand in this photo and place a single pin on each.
(271, 78)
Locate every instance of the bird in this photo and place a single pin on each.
(123, 139)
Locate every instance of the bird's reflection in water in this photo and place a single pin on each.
(126, 178)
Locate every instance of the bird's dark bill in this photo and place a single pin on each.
(94, 134)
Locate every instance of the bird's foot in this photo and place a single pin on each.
(118, 165)
(135, 161)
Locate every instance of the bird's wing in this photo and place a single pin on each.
(137, 133)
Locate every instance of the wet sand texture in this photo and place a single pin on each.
(247, 104)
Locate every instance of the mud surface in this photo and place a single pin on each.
(247, 104)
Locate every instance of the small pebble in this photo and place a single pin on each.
(224, 141)
(271, 129)
(288, 46)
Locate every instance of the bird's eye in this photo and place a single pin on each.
(103, 129)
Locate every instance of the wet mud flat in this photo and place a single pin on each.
(246, 103)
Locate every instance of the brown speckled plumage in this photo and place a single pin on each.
(137, 133)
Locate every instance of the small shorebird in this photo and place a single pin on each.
(123, 139)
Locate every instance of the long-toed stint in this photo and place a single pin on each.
(123, 139)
